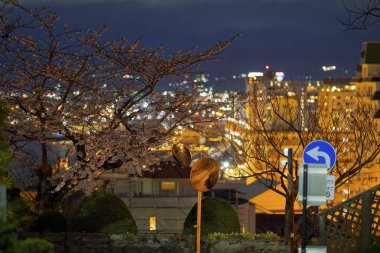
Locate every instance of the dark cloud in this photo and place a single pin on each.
(155, 3)
(296, 36)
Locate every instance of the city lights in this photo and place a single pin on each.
(328, 68)
(255, 74)
(279, 76)
(88, 113)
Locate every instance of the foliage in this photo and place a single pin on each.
(217, 216)
(375, 246)
(7, 235)
(5, 154)
(34, 245)
(16, 217)
(50, 221)
(225, 236)
(122, 226)
(17, 211)
(102, 212)
(10, 244)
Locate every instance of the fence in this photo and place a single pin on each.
(353, 223)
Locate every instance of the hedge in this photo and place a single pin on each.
(217, 216)
(104, 213)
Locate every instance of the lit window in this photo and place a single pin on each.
(152, 223)
(345, 139)
(167, 185)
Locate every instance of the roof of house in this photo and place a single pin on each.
(167, 170)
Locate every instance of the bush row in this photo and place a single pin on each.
(98, 213)
(107, 213)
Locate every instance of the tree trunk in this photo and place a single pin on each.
(289, 228)
(44, 173)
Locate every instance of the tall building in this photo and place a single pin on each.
(269, 97)
(367, 79)
(333, 102)
(336, 100)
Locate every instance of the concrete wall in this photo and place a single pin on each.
(170, 213)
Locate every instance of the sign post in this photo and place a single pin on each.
(319, 152)
(291, 193)
(314, 178)
(199, 220)
(304, 210)
(203, 176)
(318, 158)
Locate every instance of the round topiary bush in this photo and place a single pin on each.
(50, 221)
(103, 213)
(217, 216)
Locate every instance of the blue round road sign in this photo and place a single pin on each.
(320, 152)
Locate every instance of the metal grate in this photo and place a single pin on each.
(353, 223)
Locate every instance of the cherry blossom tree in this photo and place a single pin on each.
(100, 95)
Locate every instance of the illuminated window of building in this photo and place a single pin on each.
(152, 223)
(345, 139)
(167, 186)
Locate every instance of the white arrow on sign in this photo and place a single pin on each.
(315, 154)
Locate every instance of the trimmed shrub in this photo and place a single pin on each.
(104, 213)
(34, 245)
(252, 237)
(10, 244)
(120, 227)
(50, 221)
(375, 246)
(217, 216)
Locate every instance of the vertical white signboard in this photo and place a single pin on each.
(330, 189)
(316, 184)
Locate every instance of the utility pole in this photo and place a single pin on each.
(291, 200)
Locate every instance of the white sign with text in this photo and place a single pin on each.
(330, 190)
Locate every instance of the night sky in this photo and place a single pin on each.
(294, 36)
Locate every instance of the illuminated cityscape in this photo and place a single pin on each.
(234, 120)
(111, 143)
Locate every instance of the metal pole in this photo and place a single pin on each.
(316, 220)
(365, 233)
(199, 213)
(291, 192)
(304, 210)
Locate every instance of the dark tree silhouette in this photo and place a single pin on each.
(361, 14)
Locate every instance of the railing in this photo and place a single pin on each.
(353, 223)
